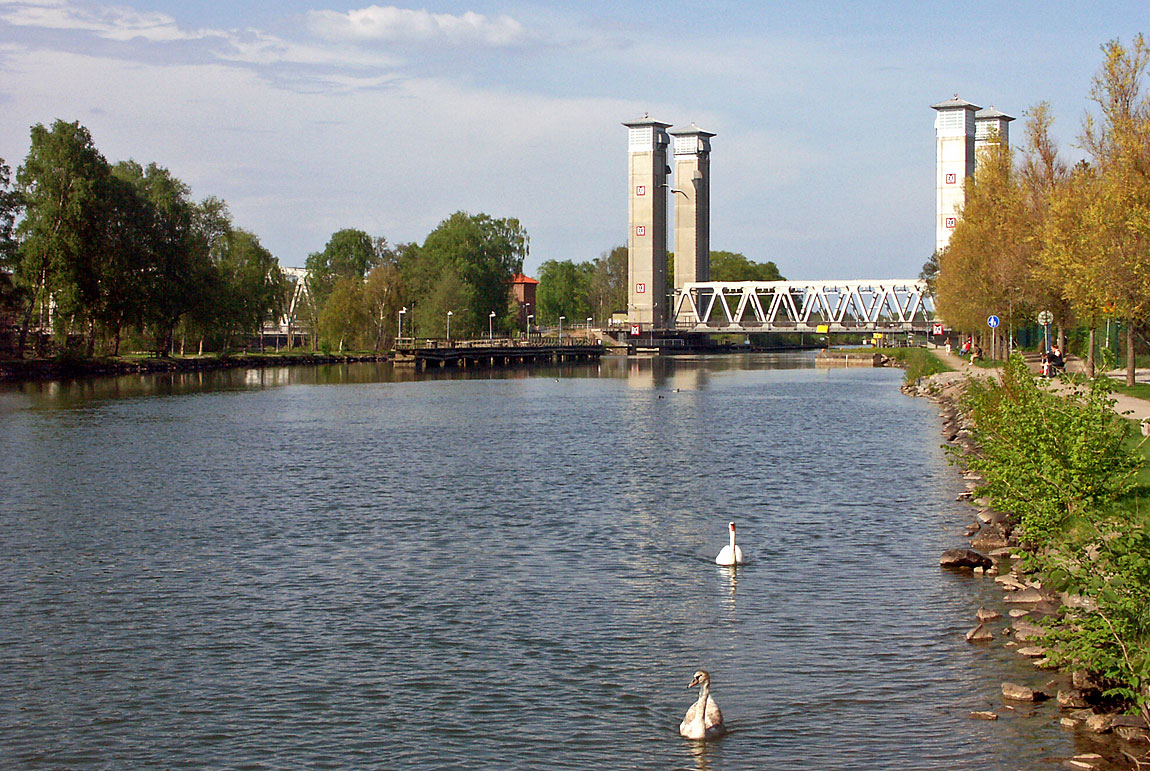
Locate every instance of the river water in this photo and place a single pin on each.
(347, 567)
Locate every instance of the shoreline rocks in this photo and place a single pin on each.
(991, 533)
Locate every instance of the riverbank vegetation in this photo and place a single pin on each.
(1035, 234)
(99, 258)
(918, 362)
(95, 252)
(1074, 475)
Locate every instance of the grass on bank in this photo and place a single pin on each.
(919, 362)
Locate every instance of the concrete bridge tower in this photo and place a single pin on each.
(990, 126)
(647, 237)
(692, 197)
(954, 134)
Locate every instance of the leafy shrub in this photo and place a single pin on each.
(1047, 457)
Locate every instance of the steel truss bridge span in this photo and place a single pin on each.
(804, 306)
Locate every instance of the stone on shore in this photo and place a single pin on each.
(979, 634)
(1071, 699)
(984, 715)
(1015, 692)
(985, 615)
(1024, 631)
(1032, 651)
(1027, 595)
(1085, 761)
(989, 540)
(964, 558)
(1099, 724)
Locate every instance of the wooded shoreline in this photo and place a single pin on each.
(34, 370)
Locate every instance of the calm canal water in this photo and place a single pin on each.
(352, 568)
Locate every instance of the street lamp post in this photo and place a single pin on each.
(561, 320)
(399, 332)
(491, 326)
(449, 315)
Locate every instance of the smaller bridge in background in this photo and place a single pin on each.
(887, 305)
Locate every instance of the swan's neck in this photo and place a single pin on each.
(732, 543)
(704, 694)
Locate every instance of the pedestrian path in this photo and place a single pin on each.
(1127, 406)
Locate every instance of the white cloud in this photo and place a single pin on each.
(262, 49)
(390, 24)
(111, 22)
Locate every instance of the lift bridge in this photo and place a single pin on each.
(888, 305)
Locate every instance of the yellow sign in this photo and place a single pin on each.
(877, 336)
(823, 328)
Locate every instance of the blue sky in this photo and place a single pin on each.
(308, 117)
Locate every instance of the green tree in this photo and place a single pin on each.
(564, 290)
(484, 253)
(349, 253)
(183, 235)
(61, 182)
(344, 318)
(253, 285)
(11, 205)
(608, 289)
(929, 272)
(733, 266)
(382, 294)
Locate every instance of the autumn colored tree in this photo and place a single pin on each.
(987, 261)
(1098, 239)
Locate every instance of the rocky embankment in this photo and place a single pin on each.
(57, 369)
(1116, 740)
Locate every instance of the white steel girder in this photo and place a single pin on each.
(840, 306)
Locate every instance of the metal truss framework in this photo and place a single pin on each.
(804, 306)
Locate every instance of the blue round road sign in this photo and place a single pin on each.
(992, 322)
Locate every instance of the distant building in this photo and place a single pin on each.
(524, 288)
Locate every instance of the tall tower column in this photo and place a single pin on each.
(692, 197)
(647, 237)
(954, 134)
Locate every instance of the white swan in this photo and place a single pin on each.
(704, 720)
(731, 554)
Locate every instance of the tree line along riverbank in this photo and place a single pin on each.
(1056, 483)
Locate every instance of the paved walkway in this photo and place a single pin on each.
(1129, 406)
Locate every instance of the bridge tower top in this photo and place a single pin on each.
(991, 126)
(647, 143)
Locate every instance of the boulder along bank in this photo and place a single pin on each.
(1115, 740)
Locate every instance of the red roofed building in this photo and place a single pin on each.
(524, 288)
